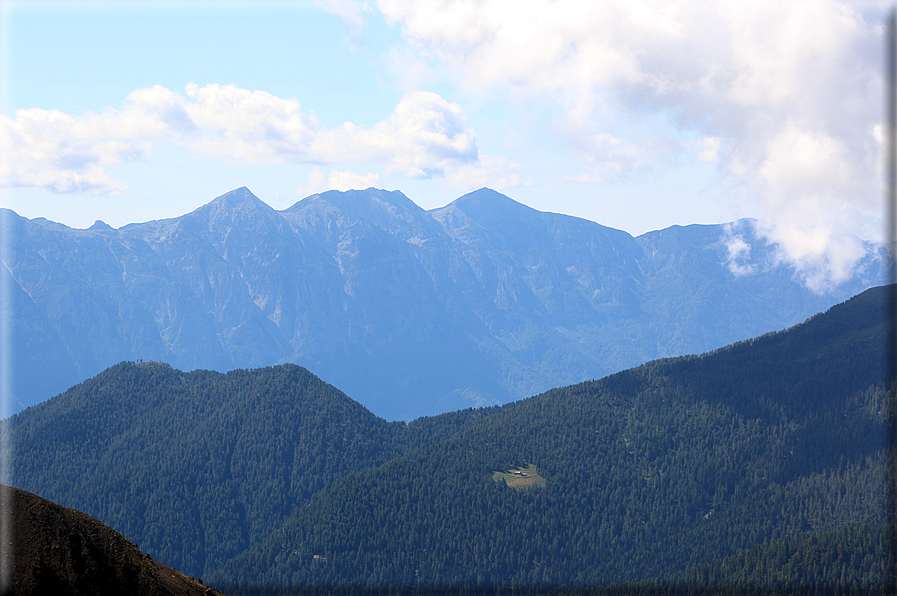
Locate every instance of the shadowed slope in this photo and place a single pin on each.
(62, 552)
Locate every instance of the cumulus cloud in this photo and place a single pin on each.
(785, 96)
(238, 125)
(62, 153)
(822, 256)
(817, 196)
(738, 252)
(425, 137)
(348, 180)
(337, 180)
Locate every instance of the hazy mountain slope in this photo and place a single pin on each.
(690, 272)
(59, 551)
(411, 349)
(543, 285)
(195, 467)
(411, 312)
(646, 473)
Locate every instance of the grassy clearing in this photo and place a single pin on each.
(520, 478)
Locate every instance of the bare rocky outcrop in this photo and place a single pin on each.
(63, 552)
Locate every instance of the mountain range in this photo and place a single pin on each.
(411, 312)
(757, 467)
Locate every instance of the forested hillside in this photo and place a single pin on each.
(848, 560)
(645, 474)
(195, 467)
(695, 468)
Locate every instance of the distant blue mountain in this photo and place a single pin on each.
(410, 312)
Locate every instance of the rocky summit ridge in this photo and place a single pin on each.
(411, 312)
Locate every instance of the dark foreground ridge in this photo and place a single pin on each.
(64, 552)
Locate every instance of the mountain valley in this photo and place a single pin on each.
(696, 469)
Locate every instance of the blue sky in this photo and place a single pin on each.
(636, 114)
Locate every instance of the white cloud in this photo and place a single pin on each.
(316, 183)
(491, 171)
(784, 95)
(425, 137)
(710, 146)
(822, 256)
(347, 11)
(61, 153)
(806, 163)
(738, 252)
(422, 137)
(238, 125)
(336, 180)
(817, 197)
(348, 180)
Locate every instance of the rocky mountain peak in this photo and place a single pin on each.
(389, 211)
(239, 199)
(486, 203)
(238, 208)
(100, 225)
(485, 196)
(369, 204)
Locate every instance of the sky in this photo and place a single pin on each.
(636, 114)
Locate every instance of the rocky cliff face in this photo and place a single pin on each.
(60, 551)
(410, 312)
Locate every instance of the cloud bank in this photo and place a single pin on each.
(784, 97)
(424, 137)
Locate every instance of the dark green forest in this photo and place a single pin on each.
(757, 465)
(195, 467)
(850, 559)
